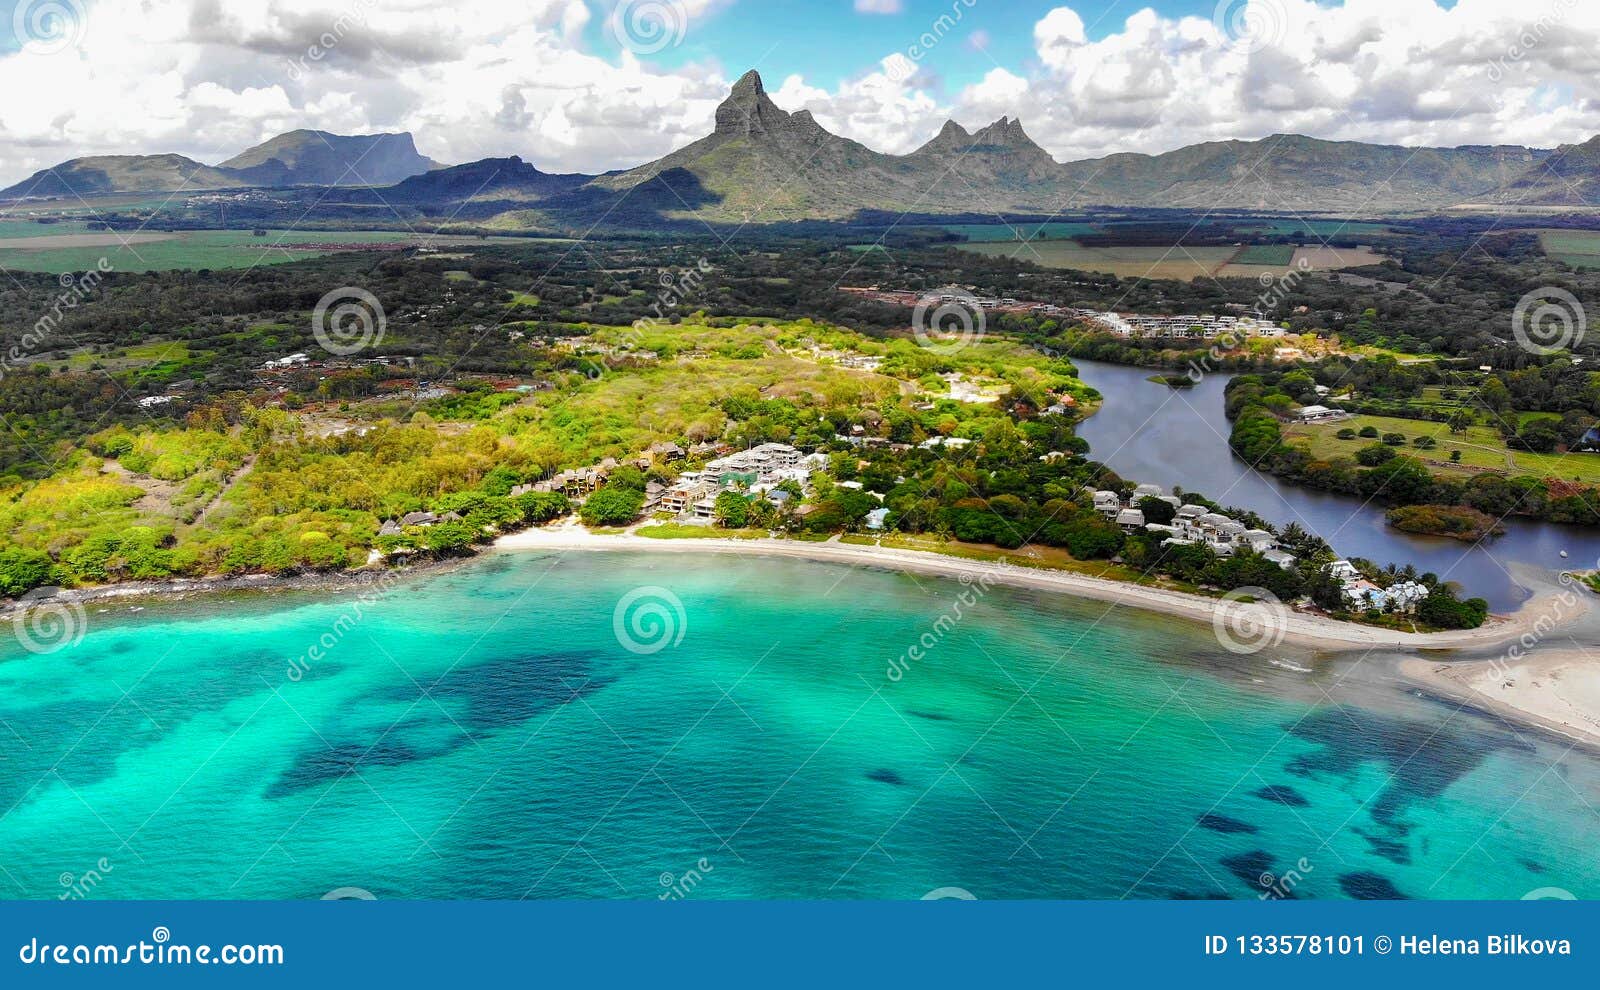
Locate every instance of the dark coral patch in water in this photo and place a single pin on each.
(1366, 886)
(1283, 794)
(886, 777)
(1225, 825)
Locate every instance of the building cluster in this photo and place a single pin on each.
(1185, 326)
(759, 470)
(1362, 594)
(1192, 525)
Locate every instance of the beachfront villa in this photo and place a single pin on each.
(1361, 593)
(1192, 525)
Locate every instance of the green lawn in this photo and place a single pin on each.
(1480, 446)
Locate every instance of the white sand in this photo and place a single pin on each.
(1558, 690)
(1315, 631)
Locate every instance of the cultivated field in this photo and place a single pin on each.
(1183, 263)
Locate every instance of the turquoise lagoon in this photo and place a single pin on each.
(486, 733)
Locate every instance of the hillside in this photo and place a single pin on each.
(317, 158)
(1570, 176)
(102, 174)
(312, 158)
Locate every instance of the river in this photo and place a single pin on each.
(1148, 432)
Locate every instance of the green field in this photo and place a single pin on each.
(1578, 248)
(993, 233)
(1481, 447)
(1318, 228)
(1265, 254)
(1185, 264)
(213, 249)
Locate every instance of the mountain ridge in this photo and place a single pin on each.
(763, 164)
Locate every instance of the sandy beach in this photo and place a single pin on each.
(1315, 631)
(1557, 690)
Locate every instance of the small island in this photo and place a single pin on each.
(1458, 522)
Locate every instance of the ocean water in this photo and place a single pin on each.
(687, 725)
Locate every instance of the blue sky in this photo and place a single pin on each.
(828, 41)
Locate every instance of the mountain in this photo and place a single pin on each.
(96, 176)
(314, 158)
(1569, 176)
(491, 180)
(762, 164)
(317, 158)
(1295, 172)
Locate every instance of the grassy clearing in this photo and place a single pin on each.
(993, 233)
(1578, 248)
(1265, 254)
(1481, 448)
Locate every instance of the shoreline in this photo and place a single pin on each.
(1556, 691)
(183, 589)
(1314, 631)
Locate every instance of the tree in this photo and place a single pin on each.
(612, 506)
(22, 570)
(1157, 510)
(732, 510)
(448, 538)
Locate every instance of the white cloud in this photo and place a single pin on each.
(880, 6)
(478, 78)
